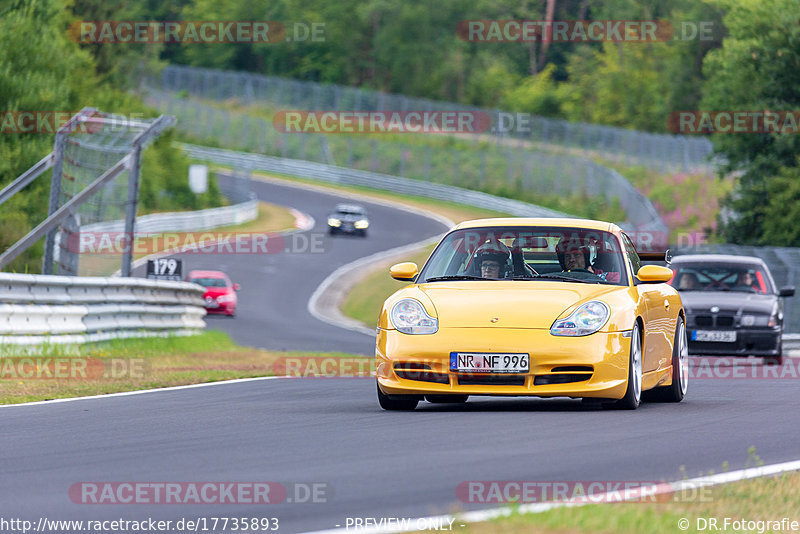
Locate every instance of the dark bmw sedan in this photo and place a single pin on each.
(732, 305)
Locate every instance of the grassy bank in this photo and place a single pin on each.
(767, 498)
(135, 364)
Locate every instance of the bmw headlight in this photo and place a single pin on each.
(333, 221)
(586, 319)
(362, 224)
(409, 317)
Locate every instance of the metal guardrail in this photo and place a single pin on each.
(347, 176)
(36, 309)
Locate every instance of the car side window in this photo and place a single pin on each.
(630, 252)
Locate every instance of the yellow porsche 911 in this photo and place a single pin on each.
(532, 307)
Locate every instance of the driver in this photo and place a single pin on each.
(492, 260)
(573, 256)
(745, 281)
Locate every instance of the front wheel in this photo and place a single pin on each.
(633, 394)
(680, 370)
(397, 402)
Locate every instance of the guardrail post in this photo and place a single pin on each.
(130, 209)
(55, 197)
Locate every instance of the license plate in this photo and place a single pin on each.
(724, 336)
(482, 362)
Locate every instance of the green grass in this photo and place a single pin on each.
(141, 363)
(766, 498)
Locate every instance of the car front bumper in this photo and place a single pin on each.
(749, 342)
(605, 355)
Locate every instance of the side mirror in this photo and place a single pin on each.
(786, 291)
(405, 272)
(236, 287)
(654, 274)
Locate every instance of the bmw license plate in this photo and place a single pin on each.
(723, 336)
(482, 362)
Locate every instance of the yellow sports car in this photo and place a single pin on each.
(532, 307)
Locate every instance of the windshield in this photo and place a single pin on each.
(527, 253)
(721, 277)
(210, 282)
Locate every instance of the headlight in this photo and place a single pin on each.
(409, 317)
(587, 319)
(362, 224)
(225, 298)
(333, 221)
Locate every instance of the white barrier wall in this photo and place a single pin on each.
(38, 309)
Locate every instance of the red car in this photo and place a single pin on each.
(220, 295)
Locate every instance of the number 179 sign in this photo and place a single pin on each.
(165, 269)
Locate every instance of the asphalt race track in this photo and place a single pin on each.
(275, 288)
(331, 432)
(375, 463)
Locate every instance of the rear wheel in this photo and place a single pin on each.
(633, 394)
(446, 399)
(680, 370)
(397, 402)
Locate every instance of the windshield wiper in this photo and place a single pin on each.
(455, 277)
(554, 276)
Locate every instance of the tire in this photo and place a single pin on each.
(447, 399)
(633, 393)
(396, 402)
(774, 360)
(331, 231)
(676, 391)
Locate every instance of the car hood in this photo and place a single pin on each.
(730, 301)
(529, 304)
(217, 291)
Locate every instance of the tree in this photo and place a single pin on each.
(757, 69)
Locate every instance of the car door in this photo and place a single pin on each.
(656, 314)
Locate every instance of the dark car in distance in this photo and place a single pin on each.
(733, 307)
(348, 219)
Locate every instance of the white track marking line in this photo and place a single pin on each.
(143, 391)
(613, 496)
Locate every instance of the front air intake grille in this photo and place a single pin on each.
(491, 380)
(420, 372)
(544, 380)
(573, 369)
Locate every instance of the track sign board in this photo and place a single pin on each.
(165, 269)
